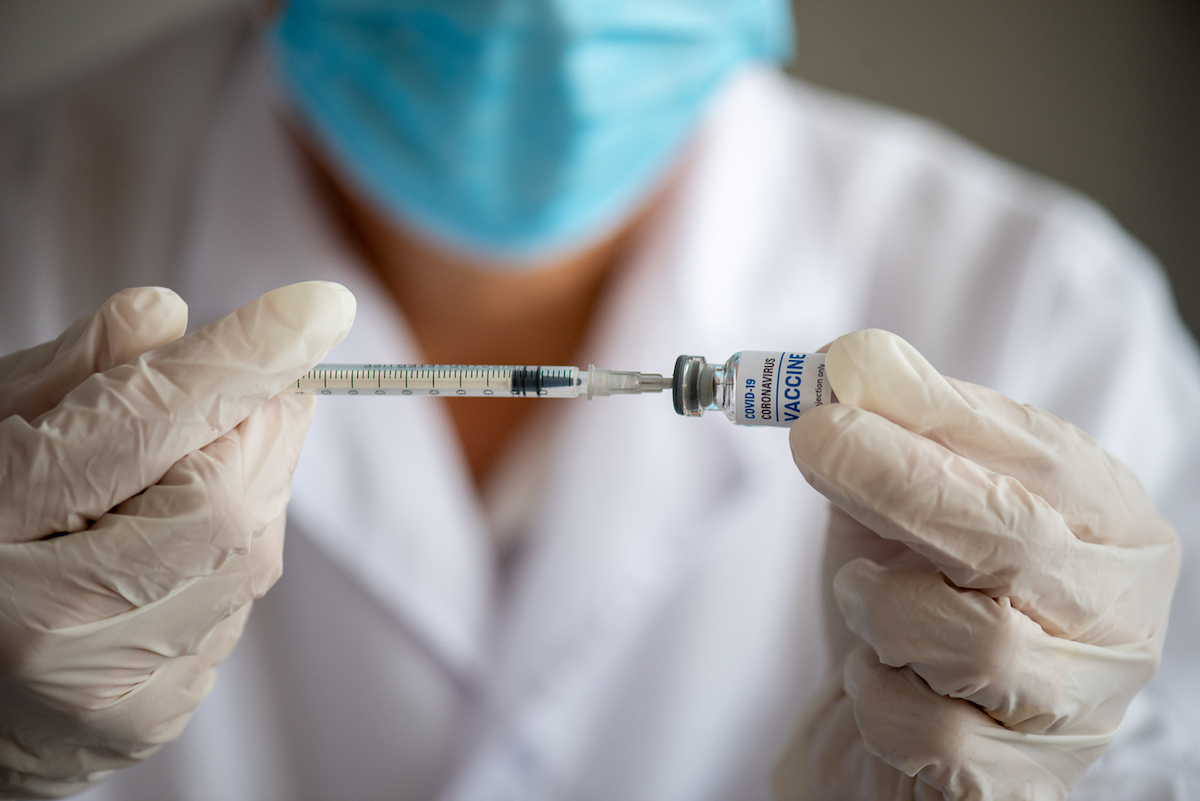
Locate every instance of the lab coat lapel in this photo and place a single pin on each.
(376, 486)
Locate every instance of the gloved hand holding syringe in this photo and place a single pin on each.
(756, 388)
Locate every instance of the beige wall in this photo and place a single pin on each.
(1103, 95)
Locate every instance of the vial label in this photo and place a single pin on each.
(774, 389)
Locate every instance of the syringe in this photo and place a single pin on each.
(752, 388)
(475, 381)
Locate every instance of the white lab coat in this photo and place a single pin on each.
(656, 630)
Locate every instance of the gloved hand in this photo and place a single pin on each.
(143, 480)
(999, 589)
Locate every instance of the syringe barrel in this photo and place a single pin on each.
(450, 380)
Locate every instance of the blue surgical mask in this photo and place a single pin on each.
(514, 128)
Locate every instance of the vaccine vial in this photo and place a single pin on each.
(752, 388)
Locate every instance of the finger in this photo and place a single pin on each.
(967, 645)
(826, 759)
(119, 432)
(847, 539)
(90, 668)
(984, 531)
(132, 727)
(1100, 499)
(952, 745)
(210, 505)
(60, 773)
(881, 373)
(129, 323)
(157, 710)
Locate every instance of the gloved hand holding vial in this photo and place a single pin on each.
(999, 589)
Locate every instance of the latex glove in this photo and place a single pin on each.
(1003, 587)
(143, 480)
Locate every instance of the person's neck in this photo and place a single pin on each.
(462, 312)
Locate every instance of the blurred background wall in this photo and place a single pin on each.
(1103, 95)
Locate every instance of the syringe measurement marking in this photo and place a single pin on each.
(433, 381)
(436, 380)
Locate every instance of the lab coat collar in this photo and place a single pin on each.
(380, 485)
